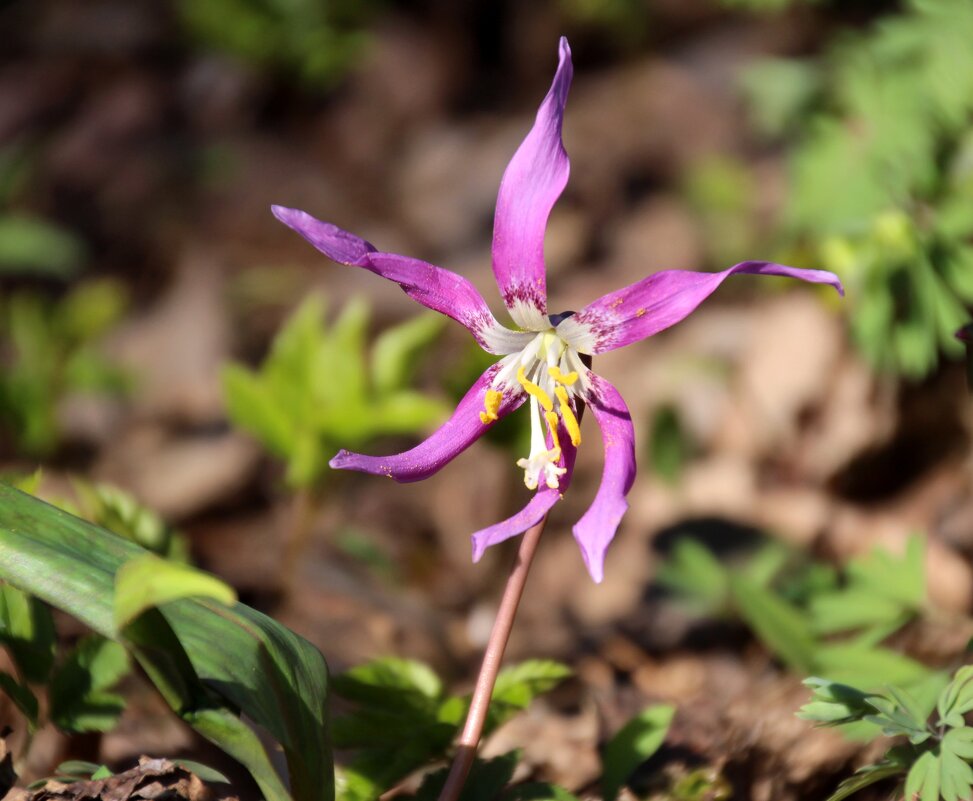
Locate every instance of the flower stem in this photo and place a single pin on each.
(480, 702)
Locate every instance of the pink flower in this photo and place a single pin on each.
(542, 359)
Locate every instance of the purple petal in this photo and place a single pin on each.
(433, 287)
(442, 446)
(596, 528)
(531, 184)
(536, 507)
(663, 299)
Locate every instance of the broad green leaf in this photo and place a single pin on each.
(780, 626)
(27, 630)
(148, 581)
(395, 351)
(103, 772)
(637, 740)
(22, 697)
(249, 661)
(80, 695)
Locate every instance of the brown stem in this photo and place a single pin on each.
(480, 702)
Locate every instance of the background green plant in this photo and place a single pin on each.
(815, 619)
(880, 148)
(315, 42)
(936, 757)
(49, 350)
(320, 388)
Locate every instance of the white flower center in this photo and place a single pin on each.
(551, 372)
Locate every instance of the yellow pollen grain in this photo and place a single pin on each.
(491, 403)
(567, 415)
(551, 418)
(535, 391)
(568, 380)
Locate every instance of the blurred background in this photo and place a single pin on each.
(181, 366)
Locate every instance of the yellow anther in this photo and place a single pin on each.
(532, 389)
(568, 380)
(491, 403)
(551, 418)
(567, 415)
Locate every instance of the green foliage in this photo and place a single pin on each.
(211, 661)
(635, 742)
(318, 388)
(30, 246)
(315, 42)
(936, 757)
(881, 185)
(78, 686)
(148, 581)
(117, 510)
(403, 720)
(811, 620)
(80, 691)
(48, 350)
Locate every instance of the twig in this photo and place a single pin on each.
(480, 702)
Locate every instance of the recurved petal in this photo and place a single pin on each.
(596, 528)
(433, 287)
(663, 299)
(538, 506)
(462, 429)
(531, 184)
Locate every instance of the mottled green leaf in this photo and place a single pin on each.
(240, 656)
(148, 580)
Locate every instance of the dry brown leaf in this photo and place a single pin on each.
(151, 780)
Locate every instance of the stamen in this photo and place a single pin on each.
(568, 380)
(491, 403)
(567, 415)
(535, 391)
(551, 418)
